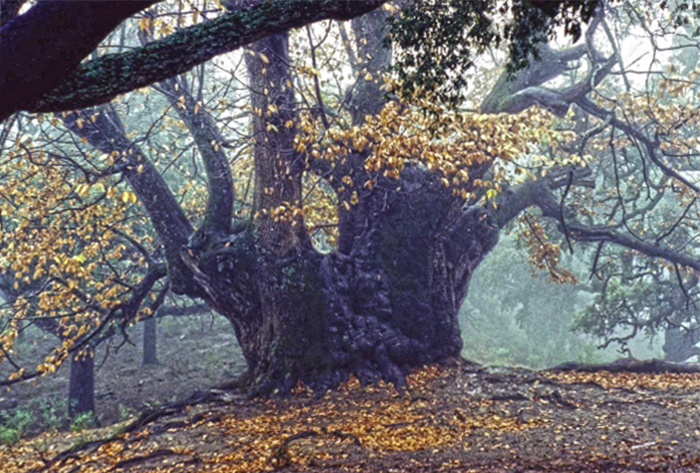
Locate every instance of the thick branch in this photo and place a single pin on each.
(278, 166)
(102, 79)
(538, 193)
(106, 133)
(41, 47)
(374, 60)
(9, 10)
(513, 95)
(582, 233)
(516, 199)
(209, 141)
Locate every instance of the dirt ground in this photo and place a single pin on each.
(462, 418)
(194, 354)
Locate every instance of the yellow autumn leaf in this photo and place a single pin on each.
(128, 196)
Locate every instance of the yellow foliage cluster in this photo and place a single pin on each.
(320, 210)
(285, 212)
(60, 253)
(544, 254)
(450, 143)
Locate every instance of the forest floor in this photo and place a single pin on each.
(460, 418)
(193, 353)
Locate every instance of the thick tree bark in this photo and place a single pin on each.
(388, 305)
(278, 166)
(388, 299)
(81, 389)
(515, 94)
(9, 9)
(386, 302)
(58, 83)
(40, 48)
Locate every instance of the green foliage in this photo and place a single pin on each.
(35, 416)
(52, 412)
(83, 421)
(126, 412)
(440, 39)
(14, 425)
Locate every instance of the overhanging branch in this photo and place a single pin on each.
(45, 44)
(581, 232)
(538, 193)
(102, 79)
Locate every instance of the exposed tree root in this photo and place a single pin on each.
(630, 365)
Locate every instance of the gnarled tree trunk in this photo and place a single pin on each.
(387, 300)
(388, 304)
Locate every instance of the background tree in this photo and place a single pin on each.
(644, 197)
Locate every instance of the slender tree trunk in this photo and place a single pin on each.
(150, 337)
(81, 389)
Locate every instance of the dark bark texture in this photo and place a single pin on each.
(9, 9)
(385, 305)
(42, 49)
(81, 388)
(42, 46)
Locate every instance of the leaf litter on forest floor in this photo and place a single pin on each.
(607, 379)
(450, 419)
